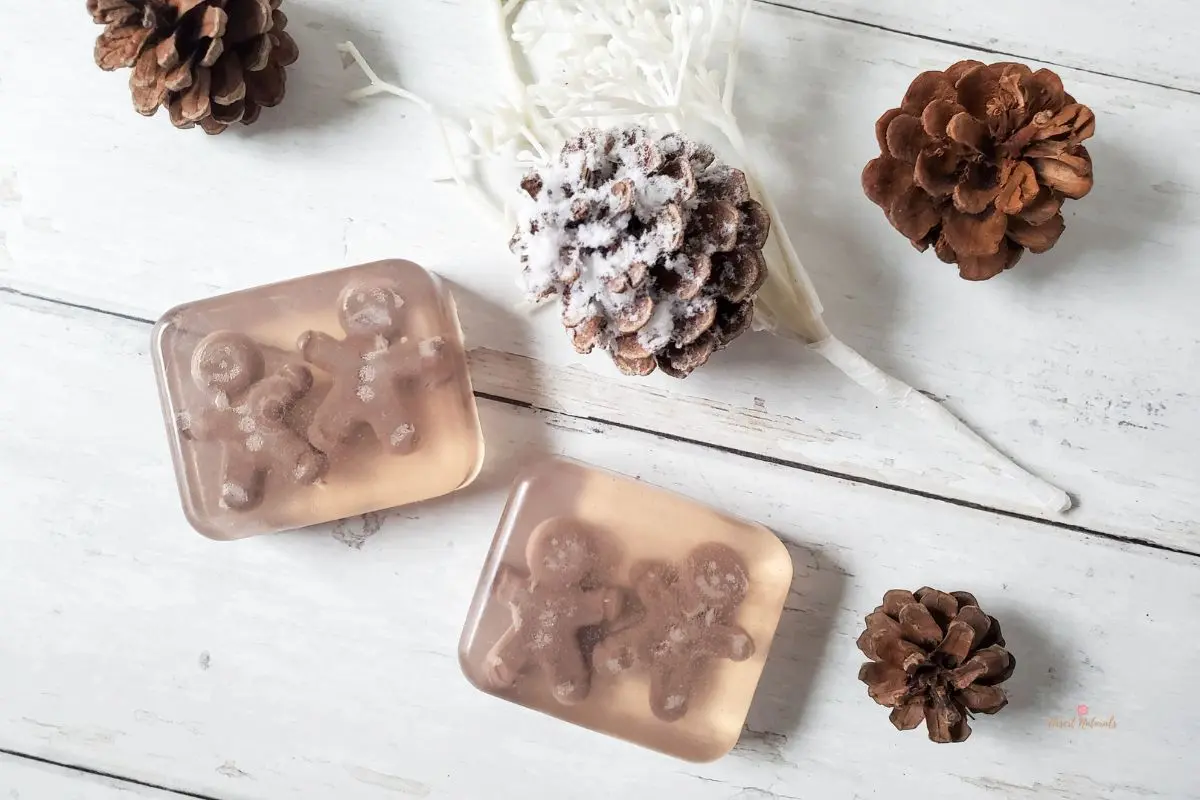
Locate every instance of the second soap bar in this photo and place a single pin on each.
(317, 398)
(627, 609)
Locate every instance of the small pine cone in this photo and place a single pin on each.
(654, 246)
(978, 161)
(209, 62)
(934, 657)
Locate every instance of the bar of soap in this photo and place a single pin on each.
(316, 399)
(626, 609)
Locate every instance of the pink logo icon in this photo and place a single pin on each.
(1082, 709)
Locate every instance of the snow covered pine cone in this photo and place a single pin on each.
(654, 246)
(210, 62)
(977, 162)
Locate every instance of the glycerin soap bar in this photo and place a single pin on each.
(626, 609)
(316, 399)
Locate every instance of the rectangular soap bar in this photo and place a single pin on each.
(316, 399)
(626, 609)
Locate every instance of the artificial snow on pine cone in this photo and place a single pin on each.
(209, 62)
(653, 244)
(935, 658)
(977, 162)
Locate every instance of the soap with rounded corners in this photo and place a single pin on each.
(317, 398)
(627, 609)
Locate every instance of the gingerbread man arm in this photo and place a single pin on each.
(206, 426)
(728, 641)
(320, 349)
(407, 361)
(510, 586)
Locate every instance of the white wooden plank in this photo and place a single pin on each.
(23, 779)
(1147, 41)
(1078, 363)
(294, 666)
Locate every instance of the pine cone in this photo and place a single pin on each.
(977, 162)
(210, 62)
(655, 248)
(935, 657)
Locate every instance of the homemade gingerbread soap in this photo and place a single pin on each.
(626, 609)
(317, 398)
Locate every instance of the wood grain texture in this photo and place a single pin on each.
(1080, 364)
(24, 779)
(1146, 41)
(296, 666)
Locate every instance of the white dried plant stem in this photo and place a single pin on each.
(1046, 497)
(378, 86)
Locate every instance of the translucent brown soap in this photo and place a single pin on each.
(317, 398)
(626, 609)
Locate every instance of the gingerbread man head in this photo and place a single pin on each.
(370, 308)
(561, 553)
(717, 577)
(226, 363)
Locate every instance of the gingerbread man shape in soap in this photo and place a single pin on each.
(686, 621)
(561, 596)
(247, 418)
(371, 369)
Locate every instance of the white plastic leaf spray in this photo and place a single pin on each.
(667, 65)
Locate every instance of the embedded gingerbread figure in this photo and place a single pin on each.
(248, 417)
(370, 368)
(551, 607)
(685, 622)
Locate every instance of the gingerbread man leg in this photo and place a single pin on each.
(506, 660)
(241, 481)
(570, 679)
(671, 687)
(330, 427)
(615, 653)
(302, 464)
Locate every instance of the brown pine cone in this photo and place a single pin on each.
(654, 246)
(934, 657)
(210, 62)
(977, 162)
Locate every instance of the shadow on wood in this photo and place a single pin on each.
(1045, 673)
(318, 82)
(797, 654)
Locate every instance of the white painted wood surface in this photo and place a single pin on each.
(1147, 41)
(1080, 364)
(293, 666)
(24, 779)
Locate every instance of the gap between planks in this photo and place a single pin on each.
(97, 773)
(477, 353)
(781, 4)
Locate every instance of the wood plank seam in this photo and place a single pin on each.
(791, 464)
(844, 476)
(972, 46)
(107, 775)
